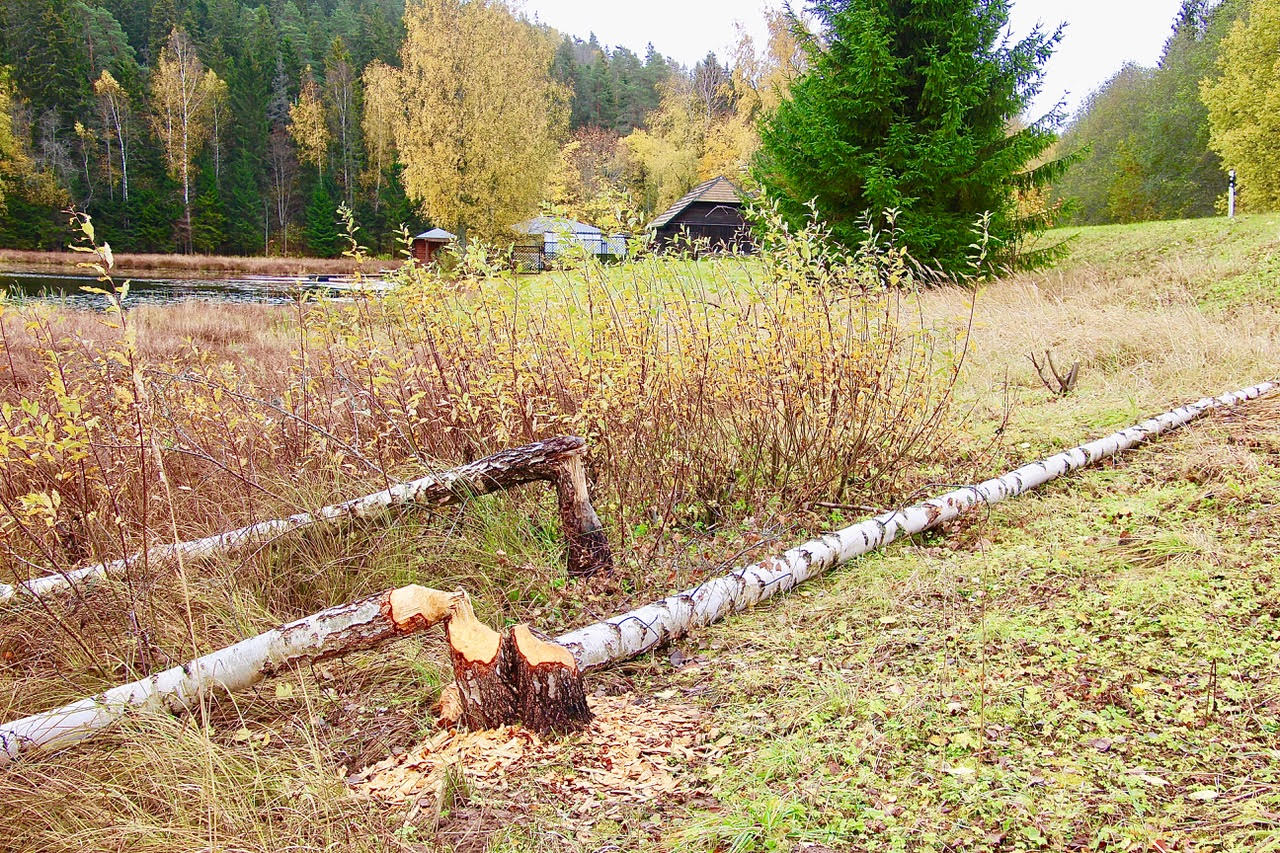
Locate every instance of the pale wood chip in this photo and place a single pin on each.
(635, 751)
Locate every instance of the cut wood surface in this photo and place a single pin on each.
(557, 460)
(633, 633)
(543, 670)
(513, 677)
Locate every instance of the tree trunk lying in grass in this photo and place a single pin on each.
(556, 460)
(505, 678)
(633, 633)
(520, 677)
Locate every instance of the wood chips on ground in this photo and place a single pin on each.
(632, 757)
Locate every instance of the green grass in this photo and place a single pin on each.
(1093, 667)
(1223, 261)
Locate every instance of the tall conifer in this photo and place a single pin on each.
(910, 106)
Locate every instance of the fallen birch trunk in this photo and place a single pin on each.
(556, 460)
(517, 677)
(634, 633)
(524, 679)
(346, 628)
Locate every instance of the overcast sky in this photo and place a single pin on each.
(1101, 35)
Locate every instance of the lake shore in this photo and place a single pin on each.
(190, 266)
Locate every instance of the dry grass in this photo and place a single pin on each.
(1136, 334)
(194, 266)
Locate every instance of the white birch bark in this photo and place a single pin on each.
(351, 627)
(633, 633)
(502, 470)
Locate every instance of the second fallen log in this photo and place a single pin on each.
(555, 460)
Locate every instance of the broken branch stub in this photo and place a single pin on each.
(1057, 384)
(556, 460)
(588, 546)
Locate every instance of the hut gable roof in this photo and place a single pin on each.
(436, 234)
(716, 191)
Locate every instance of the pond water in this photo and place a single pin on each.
(262, 290)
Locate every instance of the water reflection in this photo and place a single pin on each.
(261, 290)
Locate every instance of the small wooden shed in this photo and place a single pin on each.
(429, 243)
(710, 216)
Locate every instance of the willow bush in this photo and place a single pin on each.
(708, 389)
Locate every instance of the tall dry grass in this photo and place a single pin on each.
(714, 394)
(1143, 336)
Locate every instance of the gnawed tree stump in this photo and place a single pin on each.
(512, 677)
(481, 670)
(548, 684)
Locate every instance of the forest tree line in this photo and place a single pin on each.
(218, 126)
(1158, 142)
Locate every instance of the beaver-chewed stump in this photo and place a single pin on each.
(512, 677)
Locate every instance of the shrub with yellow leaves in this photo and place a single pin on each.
(708, 389)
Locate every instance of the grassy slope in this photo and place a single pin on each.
(1065, 672)
(1096, 666)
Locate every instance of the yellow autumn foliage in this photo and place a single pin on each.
(482, 115)
(1243, 99)
(308, 124)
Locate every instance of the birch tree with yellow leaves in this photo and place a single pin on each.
(113, 101)
(308, 125)
(182, 92)
(483, 117)
(1244, 105)
(383, 114)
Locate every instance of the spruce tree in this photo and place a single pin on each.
(909, 106)
(244, 231)
(321, 226)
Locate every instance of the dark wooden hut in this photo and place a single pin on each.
(429, 243)
(710, 217)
